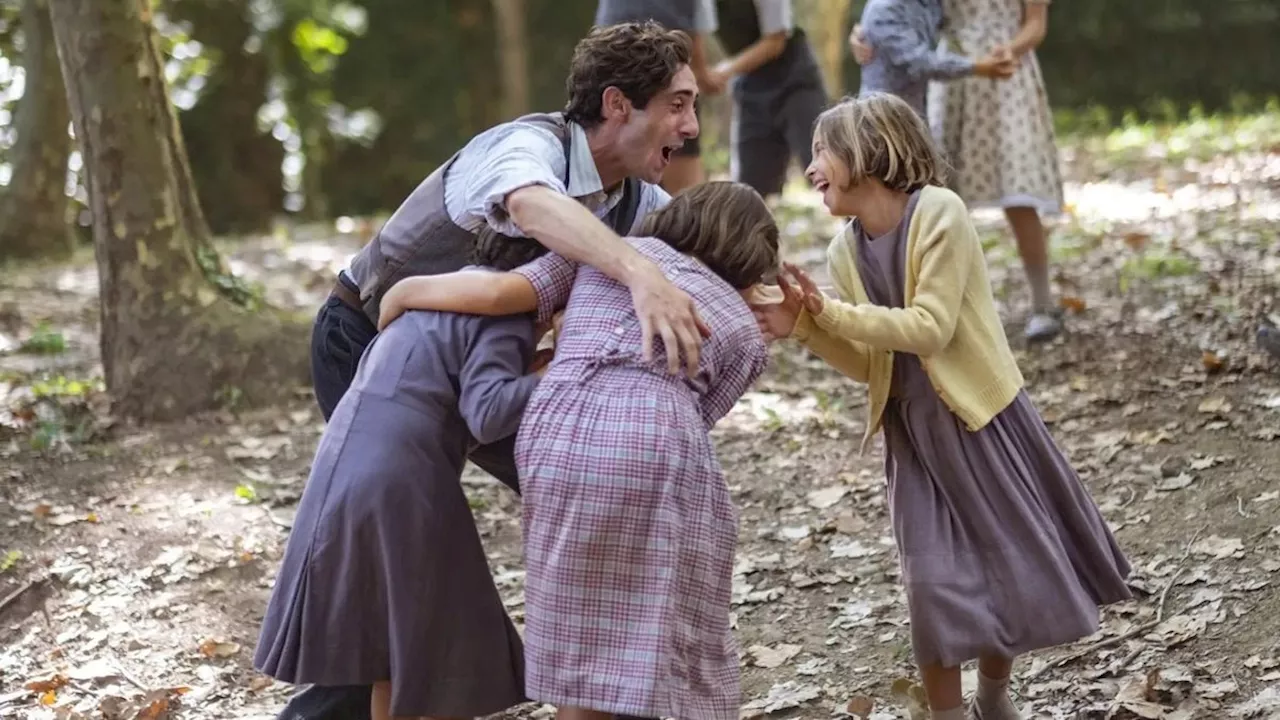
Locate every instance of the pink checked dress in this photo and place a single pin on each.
(629, 529)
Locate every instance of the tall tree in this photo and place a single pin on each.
(830, 25)
(513, 56)
(33, 209)
(171, 343)
(236, 165)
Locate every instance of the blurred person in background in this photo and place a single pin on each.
(998, 136)
(777, 89)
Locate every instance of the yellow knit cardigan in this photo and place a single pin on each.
(949, 318)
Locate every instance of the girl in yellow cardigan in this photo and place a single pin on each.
(1002, 549)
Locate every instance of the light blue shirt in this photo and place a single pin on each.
(514, 155)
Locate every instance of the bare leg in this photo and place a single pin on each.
(942, 686)
(1033, 248)
(380, 706)
(576, 713)
(992, 701)
(683, 172)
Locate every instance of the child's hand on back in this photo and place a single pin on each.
(541, 359)
(393, 304)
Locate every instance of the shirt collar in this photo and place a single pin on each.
(584, 177)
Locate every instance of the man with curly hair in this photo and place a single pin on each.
(576, 181)
(698, 19)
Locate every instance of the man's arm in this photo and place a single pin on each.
(895, 30)
(774, 19)
(705, 23)
(516, 186)
(568, 229)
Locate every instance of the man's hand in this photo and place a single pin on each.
(667, 311)
(862, 52)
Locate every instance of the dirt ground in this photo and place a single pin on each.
(135, 563)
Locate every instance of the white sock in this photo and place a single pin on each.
(993, 701)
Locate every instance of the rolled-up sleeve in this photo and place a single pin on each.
(705, 20)
(774, 16)
(552, 279)
(518, 156)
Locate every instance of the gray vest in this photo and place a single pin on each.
(673, 14)
(421, 238)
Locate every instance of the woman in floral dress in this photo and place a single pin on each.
(998, 135)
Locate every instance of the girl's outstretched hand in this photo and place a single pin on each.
(804, 292)
(774, 310)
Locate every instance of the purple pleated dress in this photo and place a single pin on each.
(1003, 550)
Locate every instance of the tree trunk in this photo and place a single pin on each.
(513, 56)
(171, 343)
(830, 31)
(33, 209)
(236, 166)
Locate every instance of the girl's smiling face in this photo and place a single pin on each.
(830, 176)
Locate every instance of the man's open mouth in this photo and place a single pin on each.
(669, 150)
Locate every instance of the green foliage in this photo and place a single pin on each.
(9, 560)
(233, 287)
(61, 406)
(318, 46)
(1159, 61)
(246, 493)
(45, 341)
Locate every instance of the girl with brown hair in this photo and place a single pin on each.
(629, 528)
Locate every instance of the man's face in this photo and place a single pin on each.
(649, 136)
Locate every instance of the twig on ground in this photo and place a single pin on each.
(1127, 659)
(275, 520)
(1135, 632)
(1133, 495)
(13, 596)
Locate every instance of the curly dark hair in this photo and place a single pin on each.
(640, 59)
(504, 252)
(724, 224)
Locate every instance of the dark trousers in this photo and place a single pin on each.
(338, 340)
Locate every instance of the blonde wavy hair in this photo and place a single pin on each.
(880, 136)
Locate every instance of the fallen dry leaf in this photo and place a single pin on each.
(1073, 303)
(1214, 406)
(767, 657)
(782, 696)
(1218, 547)
(1133, 698)
(826, 497)
(213, 647)
(48, 684)
(860, 706)
(1137, 240)
(912, 697)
